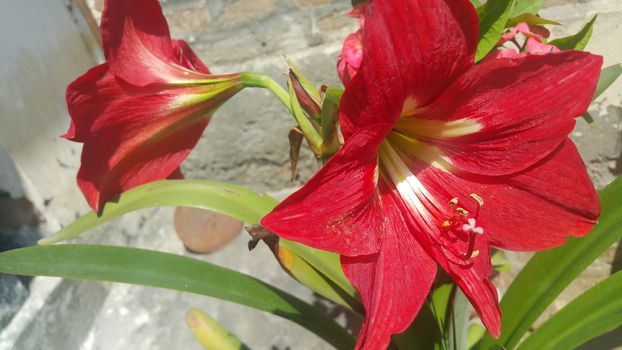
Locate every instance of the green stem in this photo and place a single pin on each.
(252, 79)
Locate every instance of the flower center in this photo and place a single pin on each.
(410, 148)
(462, 226)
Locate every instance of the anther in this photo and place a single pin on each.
(477, 198)
(462, 211)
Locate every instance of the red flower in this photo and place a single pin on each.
(140, 113)
(443, 159)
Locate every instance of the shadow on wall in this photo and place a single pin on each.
(19, 227)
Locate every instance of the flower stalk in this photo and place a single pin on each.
(258, 80)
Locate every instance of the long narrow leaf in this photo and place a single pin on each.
(232, 200)
(149, 268)
(235, 201)
(548, 273)
(593, 313)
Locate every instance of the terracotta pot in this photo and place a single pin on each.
(204, 231)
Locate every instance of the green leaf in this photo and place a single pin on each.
(328, 122)
(607, 77)
(593, 313)
(330, 111)
(527, 6)
(549, 272)
(458, 321)
(357, 2)
(228, 199)
(493, 16)
(316, 280)
(429, 330)
(499, 261)
(529, 19)
(476, 3)
(232, 200)
(211, 333)
(476, 332)
(155, 269)
(578, 41)
(329, 264)
(588, 118)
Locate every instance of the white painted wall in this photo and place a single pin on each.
(41, 51)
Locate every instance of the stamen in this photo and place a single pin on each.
(453, 202)
(462, 226)
(462, 211)
(477, 198)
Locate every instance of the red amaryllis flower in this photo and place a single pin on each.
(140, 113)
(443, 159)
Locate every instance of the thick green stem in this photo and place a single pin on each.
(251, 79)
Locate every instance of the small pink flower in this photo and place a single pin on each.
(533, 42)
(352, 52)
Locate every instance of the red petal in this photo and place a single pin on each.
(113, 162)
(410, 49)
(474, 283)
(188, 58)
(533, 210)
(470, 275)
(393, 283)
(556, 198)
(132, 135)
(525, 108)
(88, 97)
(137, 43)
(338, 208)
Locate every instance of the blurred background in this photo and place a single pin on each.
(45, 44)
